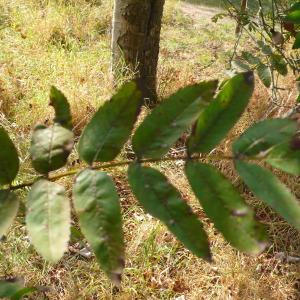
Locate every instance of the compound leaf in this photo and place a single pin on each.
(9, 205)
(48, 219)
(226, 208)
(110, 128)
(9, 161)
(163, 201)
(268, 188)
(50, 147)
(221, 115)
(97, 204)
(168, 121)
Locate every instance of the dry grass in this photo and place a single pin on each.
(67, 44)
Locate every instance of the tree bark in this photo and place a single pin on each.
(135, 42)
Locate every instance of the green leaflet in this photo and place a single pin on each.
(285, 158)
(50, 147)
(9, 205)
(264, 74)
(250, 58)
(293, 14)
(48, 219)
(164, 202)
(97, 204)
(297, 41)
(168, 121)
(14, 289)
(240, 66)
(268, 188)
(279, 64)
(110, 128)
(61, 107)
(9, 161)
(221, 115)
(265, 49)
(9, 288)
(264, 135)
(226, 208)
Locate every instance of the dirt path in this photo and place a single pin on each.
(198, 12)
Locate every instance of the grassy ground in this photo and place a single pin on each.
(67, 44)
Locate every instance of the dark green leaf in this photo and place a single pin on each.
(264, 135)
(8, 288)
(264, 74)
(285, 158)
(250, 58)
(76, 235)
(23, 292)
(221, 115)
(267, 187)
(279, 64)
(297, 41)
(293, 14)
(171, 118)
(9, 161)
(110, 128)
(160, 199)
(98, 207)
(61, 107)
(240, 66)
(226, 208)
(14, 289)
(50, 147)
(267, 50)
(9, 205)
(48, 219)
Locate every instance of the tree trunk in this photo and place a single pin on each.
(135, 42)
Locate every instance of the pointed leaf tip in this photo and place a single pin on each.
(221, 114)
(105, 135)
(169, 120)
(62, 108)
(226, 208)
(164, 202)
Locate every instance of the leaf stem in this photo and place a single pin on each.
(72, 172)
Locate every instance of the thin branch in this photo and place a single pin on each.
(72, 172)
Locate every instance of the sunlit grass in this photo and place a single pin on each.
(66, 43)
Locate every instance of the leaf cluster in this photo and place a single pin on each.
(211, 111)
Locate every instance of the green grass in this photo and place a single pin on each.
(223, 3)
(67, 44)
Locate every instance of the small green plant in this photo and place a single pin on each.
(271, 29)
(212, 110)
